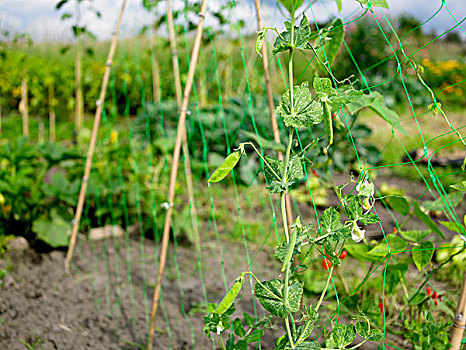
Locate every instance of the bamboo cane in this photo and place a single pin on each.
(174, 172)
(98, 114)
(459, 323)
(273, 116)
(23, 105)
(187, 161)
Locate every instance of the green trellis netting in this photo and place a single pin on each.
(411, 153)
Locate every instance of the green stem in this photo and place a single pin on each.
(325, 290)
(263, 159)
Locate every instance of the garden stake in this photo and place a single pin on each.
(459, 323)
(273, 116)
(95, 128)
(23, 105)
(176, 156)
(187, 162)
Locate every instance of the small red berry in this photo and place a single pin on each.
(435, 295)
(343, 255)
(326, 264)
(394, 229)
(436, 302)
(314, 172)
(428, 291)
(381, 307)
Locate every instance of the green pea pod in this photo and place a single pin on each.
(328, 125)
(231, 295)
(290, 250)
(226, 167)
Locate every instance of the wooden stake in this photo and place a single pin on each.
(459, 323)
(23, 105)
(273, 117)
(187, 161)
(98, 114)
(174, 172)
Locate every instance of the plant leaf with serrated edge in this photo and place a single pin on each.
(375, 335)
(342, 335)
(423, 254)
(295, 169)
(369, 218)
(300, 37)
(329, 220)
(427, 220)
(323, 86)
(396, 244)
(306, 111)
(415, 235)
(308, 345)
(304, 331)
(226, 167)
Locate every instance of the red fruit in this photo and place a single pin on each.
(314, 172)
(394, 229)
(343, 255)
(428, 291)
(436, 302)
(440, 297)
(435, 295)
(381, 307)
(326, 264)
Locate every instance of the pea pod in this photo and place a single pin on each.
(290, 250)
(231, 295)
(328, 122)
(226, 167)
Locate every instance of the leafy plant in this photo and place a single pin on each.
(282, 297)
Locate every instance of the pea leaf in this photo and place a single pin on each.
(323, 86)
(308, 345)
(238, 327)
(423, 254)
(439, 204)
(460, 186)
(369, 218)
(345, 96)
(360, 252)
(294, 173)
(288, 4)
(260, 40)
(415, 235)
(375, 3)
(226, 167)
(301, 37)
(375, 335)
(353, 207)
(329, 220)
(295, 170)
(342, 335)
(427, 220)
(306, 112)
(396, 244)
(399, 204)
(394, 275)
(453, 226)
(336, 32)
(269, 294)
(375, 101)
(254, 336)
(304, 331)
(241, 345)
(362, 328)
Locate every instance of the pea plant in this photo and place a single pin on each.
(283, 297)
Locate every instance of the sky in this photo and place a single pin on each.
(40, 19)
